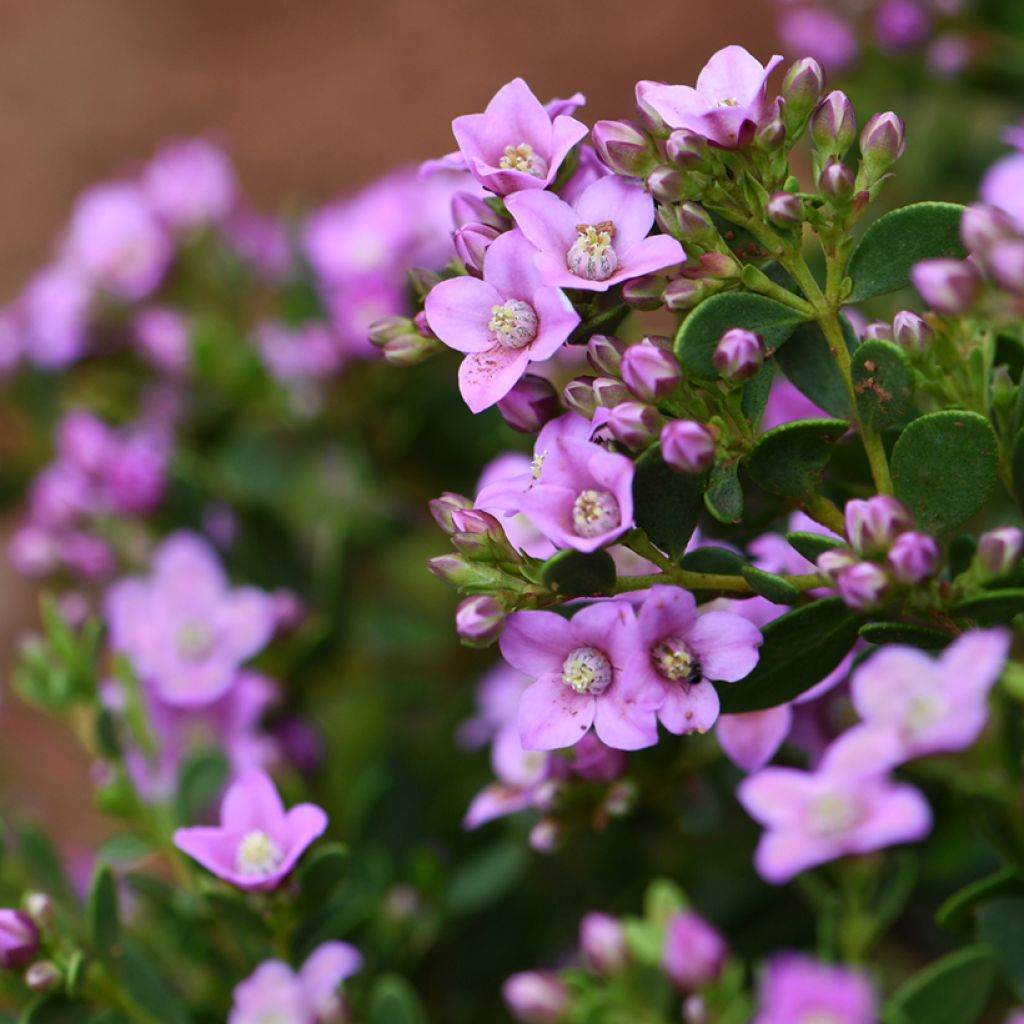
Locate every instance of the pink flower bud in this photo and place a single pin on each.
(603, 943)
(19, 939)
(480, 620)
(862, 586)
(644, 292)
(578, 396)
(836, 182)
(687, 446)
(911, 333)
(1005, 262)
(785, 210)
(623, 147)
(536, 997)
(604, 353)
(948, 286)
(694, 952)
(981, 226)
(834, 124)
(39, 907)
(635, 424)
(471, 245)
(530, 404)
(999, 550)
(877, 331)
(608, 392)
(650, 372)
(772, 134)
(882, 143)
(684, 293)
(802, 88)
(739, 354)
(686, 149)
(470, 209)
(913, 557)
(668, 185)
(901, 24)
(833, 562)
(43, 976)
(442, 508)
(873, 524)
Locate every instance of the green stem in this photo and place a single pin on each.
(823, 511)
(707, 581)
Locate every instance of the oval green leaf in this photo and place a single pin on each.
(810, 367)
(953, 990)
(770, 586)
(104, 928)
(904, 633)
(955, 911)
(667, 504)
(579, 573)
(790, 459)
(883, 382)
(992, 606)
(811, 545)
(724, 496)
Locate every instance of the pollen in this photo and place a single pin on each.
(594, 513)
(587, 670)
(592, 256)
(523, 158)
(513, 324)
(258, 855)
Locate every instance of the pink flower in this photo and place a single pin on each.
(578, 668)
(599, 240)
(847, 806)
(190, 183)
(515, 143)
(728, 103)
(257, 843)
(185, 630)
(678, 652)
(503, 323)
(821, 33)
(519, 772)
(798, 990)
(54, 309)
(1003, 186)
(694, 952)
(931, 705)
(275, 992)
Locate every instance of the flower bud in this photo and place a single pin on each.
(913, 557)
(624, 148)
(687, 446)
(1005, 262)
(667, 184)
(873, 524)
(402, 341)
(862, 586)
(650, 372)
(43, 976)
(453, 569)
(911, 333)
(644, 292)
(479, 620)
(635, 424)
(603, 943)
(578, 395)
(608, 392)
(833, 562)
(771, 134)
(684, 293)
(801, 89)
(442, 508)
(882, 143)
(878, 331)
(686, 149)
(785, 210)
(39, 907)
(474, 523)
(470, 209)
(739, 354)
(999, 550)
(530, 404)
(836, 182)
(19, 939)
(696, 225)
(948, 286)
(471, 245)
(694, 952)
(834, 125)
(536, 997)
(981, 226)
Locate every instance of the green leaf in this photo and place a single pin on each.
(54, 1009)
(701, 331)
(882, 260)
(1001, 926)
(1017, 465)
(961, 553)
(394, 1001)
(42, 864)
(953, 990)
(756, 392)
(770, 586)
(125, 848)
(579, 573)
(800, 648)
(809, 366)
(883, 382)
(943, 468)
(201, 780)
(811, 545)
(486, 878)
(904, 633)
(321, 872)
(992, 606)
(149, 988)
(104, 927)
(955, 911)
(712, 559)
(724, 496)
(789, 460)
(667, 504)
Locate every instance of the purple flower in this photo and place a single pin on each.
(503, 323)
(500, 491)
(603, 943)
(257, 842)
(19, 939)
(515, 143)
(678, 652)
(536, 997)
(873, 524)
(185, 629)
(190, 183)
(520, 773)
(599, 240)
(726, 106)
(847, 806)
(930, 705)
(115, 241)
(820, 33)
(54, 309)
(274, 992)
(901, 24)
(798, 990)
(694, 952)
(751, 739)
(579, 672)
(310, 351)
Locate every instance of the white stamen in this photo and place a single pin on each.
(587, 670)
(258, 855)
(591, 256)
(513, 324)
(523, 158)
(594, 513)
(674, 661)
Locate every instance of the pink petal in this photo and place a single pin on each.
(252, 802)
(246, 621)
(495, 801)
(726, 644)
(548, 223)
(647, 257)
(899, 814)
(880, 685)
(557, 319)
(487, 377)
(623, 725)
(521, 116)
(751, 740)
(552, 715)
(537, 643)
(566, 132)
(974, 661)
(667, 611)
(776, 796)
(626, 204)
(688, 709)
(459, 311)
(782, 855)
(734, 73)
(327, 967)
(510, 269)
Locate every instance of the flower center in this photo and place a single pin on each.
(513, 324)
(674, 660)
(832, 814)
(820, 1017)
(537, 465)
(258, 855)
(594, 513)
(195, 638)
(591, 256)
(727, 101)
(522, 158)
(922, 712)
(587, 670)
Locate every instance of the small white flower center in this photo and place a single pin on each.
(674, 661)
(591, 256)
(513, 324)
(587, 670)
(923, 711)
(820, 1017)
(523, 158)
(832, 814)
(727, 101)
(594, 513)
(538, 464)
(194, 640)
(258, 855)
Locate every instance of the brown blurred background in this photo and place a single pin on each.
(311, 98)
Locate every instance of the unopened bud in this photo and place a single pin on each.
(536, 997)
(801, 89)
(479, 620)
(667, 184)
(43, 976)
(913, 557)
(470, 209)
(644, 293)
(836, 182)
(832, 563)
(635, 424)
(771, 134)
(882, 143)
(578, 395)
(694, 952)
(999, 550)
(873, 524)
(785, 210)
(471, 245)
(982, 226)
(948, 286)
(442, 508)
(696, 225)
(685, 293)
(624, 148)
(687, 446)
(19, 939)
(863, 586)
(608, 392)
(1005, 262)
(39, 906)
(911, 333)
(650, 372)
(603, 943)
(878, 331)
(834, 125)
(686, 150)
(530, 404)
(739, 354)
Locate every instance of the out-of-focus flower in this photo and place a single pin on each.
(190, 184)
(797, 989)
